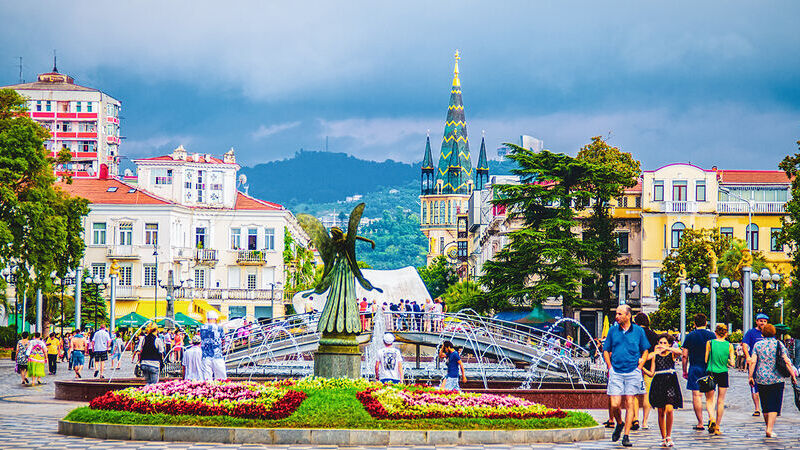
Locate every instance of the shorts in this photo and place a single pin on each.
(77, 358)
(101, 356)
(116, 356)
(390, 380)
(214, 369)
(720, 379)
(771, 397)
(451, 384)
(630, 383)
(693, 374)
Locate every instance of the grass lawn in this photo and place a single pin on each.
(330, 408)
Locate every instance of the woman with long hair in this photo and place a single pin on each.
(764, 373)
(37, 358)
(22, 358)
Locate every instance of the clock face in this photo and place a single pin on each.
(451, 253)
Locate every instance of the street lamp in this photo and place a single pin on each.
(9, 274)
(155, 283)
(623, 292)
(272, 287)
(780, 303)
(685, 290)
(749, 215)
(724, 284)
(171, 287)
(99, 285)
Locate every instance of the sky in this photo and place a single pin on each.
(711, 83)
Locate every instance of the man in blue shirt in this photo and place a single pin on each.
(694, 353)
(211, 346)
(750, 338)
(454, 365)
(625, 351)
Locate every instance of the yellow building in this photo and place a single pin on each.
(680, 196)
(446, 187)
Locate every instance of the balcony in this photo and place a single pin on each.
(124, 292)
(205, 256)
(250, 257)
(680, 207)
(122, 252)
(758, 207)
(229, 294)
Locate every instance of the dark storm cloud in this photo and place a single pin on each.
(710, 82)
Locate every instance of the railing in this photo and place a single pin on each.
(122, 251)
(250, 256)
(680, 207)
(229, 294)
(124, 292)
(757, 207)
(205, 254)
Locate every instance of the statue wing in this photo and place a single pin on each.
(350, 246)
(322, 241)
(352, 225)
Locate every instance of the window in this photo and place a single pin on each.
(48, 106)
(263, 312)
(126, 275)
(269, 238)
(726, 232)
(162, 176)
(638, 202)
(236, 312)
(622, 241)
(99, 270)
(125, 233)
(200, 278)
(88, 106)
(77, 106)
(656, 283)
(112, 189)
(188, 183)
(38, 105)
(679, 191)
(441, 245)
(700, 190)
(236, 238)
(774, 246)
(151, 233)
(752, 236)
(658, 190)
(99, 233)
(442, 212)
(200, 185)
(677, 234)
(64, 126)
(149, 274)
(251, 281)
(200, 237)
(252, 238)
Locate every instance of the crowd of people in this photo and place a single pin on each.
(642, 373)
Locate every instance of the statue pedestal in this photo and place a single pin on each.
(338, 356)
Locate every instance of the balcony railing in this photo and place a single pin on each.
(122, 252)
(757, 207)
(229, 294)
(205, 255)
(250, 256)
(680, 207)
(124, 292)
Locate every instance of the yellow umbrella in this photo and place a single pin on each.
(605, 327)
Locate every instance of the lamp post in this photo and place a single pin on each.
(780, 303)
(685, 290)
(765, 276)
(155, 284)
(9, 274)
(724, 284)
(272, 287)
(99, 285)
(171, 287)
(78, 278)
(623, 292)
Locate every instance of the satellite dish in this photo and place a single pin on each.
(128, 173)
(242, 179)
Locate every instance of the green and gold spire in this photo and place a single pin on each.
(455, 141)
(482, 169)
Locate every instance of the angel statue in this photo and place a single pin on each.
(340, 314)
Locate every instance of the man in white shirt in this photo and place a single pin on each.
(211, 335)
(100, 342)
(427, 309)
(389, 366)
(437, 315)
(193, 361)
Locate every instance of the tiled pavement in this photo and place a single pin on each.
(28, 417)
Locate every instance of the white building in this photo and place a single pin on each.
(186, 208)
(81, 119)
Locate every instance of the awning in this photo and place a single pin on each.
(131, 320)
(181, 319)
(123, 308)
(201, 307)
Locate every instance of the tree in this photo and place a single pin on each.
(617, 170)
(93, 307)
(299, 266)
(544, 258)
(398, 240)
(438, 276)
(698, 254)
(790, 236)
(40, 225)
(466, 295)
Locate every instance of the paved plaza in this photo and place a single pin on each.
(29, 415)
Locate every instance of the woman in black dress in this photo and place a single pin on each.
(665, 392)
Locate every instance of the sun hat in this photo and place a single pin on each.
(388, 338)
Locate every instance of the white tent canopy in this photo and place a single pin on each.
(396, 284)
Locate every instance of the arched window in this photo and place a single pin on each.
(442, 212)
(751, 233)
(677, 234)
(424, 218)
(435, 213)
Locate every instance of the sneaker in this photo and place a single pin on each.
(96, 372)
(626, 441)
(617, 432)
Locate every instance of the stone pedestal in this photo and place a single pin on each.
(337, 365)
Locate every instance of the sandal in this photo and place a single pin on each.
(756, 413)
(669, 442)
(635, 425)
(609, 424)
(696, 428)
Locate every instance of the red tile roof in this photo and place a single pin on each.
(189, 159)
(636, 189)
(97, 191)
(752, 176)
(246, 202)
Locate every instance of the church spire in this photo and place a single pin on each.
(455, 143)
(428, 177)
(427, 160)
(482, 169)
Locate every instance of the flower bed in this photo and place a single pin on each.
(397, 402)
(247, 400)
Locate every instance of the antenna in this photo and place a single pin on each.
(21, 79)
(326, 143)
(55, 68)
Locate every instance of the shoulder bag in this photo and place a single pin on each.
(780, 363)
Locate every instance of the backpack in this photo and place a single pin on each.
(22, 354)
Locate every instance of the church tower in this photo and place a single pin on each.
(482, 169)
(446, 187)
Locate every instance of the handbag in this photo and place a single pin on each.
(706, 383)
(780, 363)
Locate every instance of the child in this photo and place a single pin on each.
(665, 392)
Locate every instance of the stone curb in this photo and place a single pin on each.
(316, 436)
